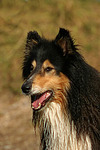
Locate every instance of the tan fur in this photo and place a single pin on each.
(34, 64)
(34, 42)
(47, 81)
(54, 118)
(47, 64)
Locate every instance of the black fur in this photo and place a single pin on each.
(84, 94)
(84, 98)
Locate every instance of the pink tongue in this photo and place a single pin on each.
(37, 103)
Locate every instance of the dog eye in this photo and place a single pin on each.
(48, 69)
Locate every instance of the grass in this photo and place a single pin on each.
(17, 17)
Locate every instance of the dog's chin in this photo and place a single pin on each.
(40, 100)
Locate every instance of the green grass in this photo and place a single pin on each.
(17, 17)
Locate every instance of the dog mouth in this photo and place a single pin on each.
(39, 100)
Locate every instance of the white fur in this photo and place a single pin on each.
(62, 134)
(36, 90)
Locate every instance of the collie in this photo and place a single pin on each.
(65, 93)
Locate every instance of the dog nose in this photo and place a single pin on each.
(26, 87)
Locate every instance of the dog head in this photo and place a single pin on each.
(44, 68)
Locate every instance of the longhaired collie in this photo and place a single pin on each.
(64, 91)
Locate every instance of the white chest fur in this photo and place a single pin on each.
(62, 133)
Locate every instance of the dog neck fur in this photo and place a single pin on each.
(57, 133)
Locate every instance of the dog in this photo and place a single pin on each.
(65, 93)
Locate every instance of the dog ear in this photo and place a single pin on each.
(33, 39)
(65, 41)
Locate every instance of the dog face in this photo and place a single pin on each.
(43, 69)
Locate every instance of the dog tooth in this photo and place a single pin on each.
(39, 106)
(47, 94)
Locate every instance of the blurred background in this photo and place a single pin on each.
(17, 18)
